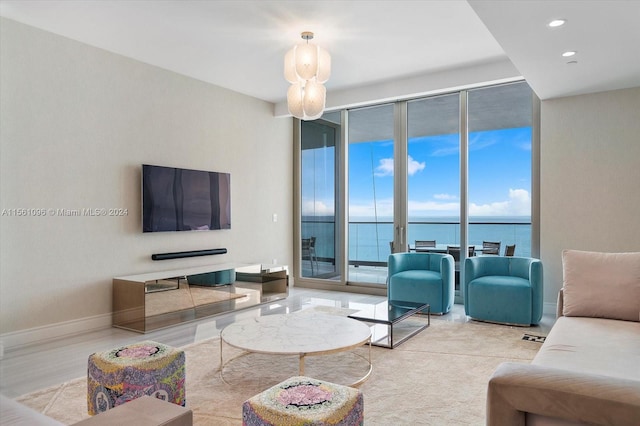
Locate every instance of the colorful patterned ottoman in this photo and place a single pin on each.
(146, 368)
(305, 401)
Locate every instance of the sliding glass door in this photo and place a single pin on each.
(320, 231)
(455, 169)
(433, 169)
(500, 164)
(370, 176)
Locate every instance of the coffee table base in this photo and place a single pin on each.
(386, 335)
(302, 334)
(302, 358)
(384, 320)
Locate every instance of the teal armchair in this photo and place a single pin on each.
(507, 290)
(422, 277)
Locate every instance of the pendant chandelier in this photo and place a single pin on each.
(307, 66)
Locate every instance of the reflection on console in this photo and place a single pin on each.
(151, 301)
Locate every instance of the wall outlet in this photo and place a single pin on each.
(275, 217)
(275, 261)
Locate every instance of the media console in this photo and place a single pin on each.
(147, 302)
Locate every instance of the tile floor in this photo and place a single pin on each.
(37, 366)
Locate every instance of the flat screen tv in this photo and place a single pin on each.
(176, 199)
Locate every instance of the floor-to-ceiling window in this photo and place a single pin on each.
(319, 159)
(451, 168)
(433, 174)
(433, 170)
(499, 176)
(370, 183)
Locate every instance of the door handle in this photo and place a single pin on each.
(400, 237)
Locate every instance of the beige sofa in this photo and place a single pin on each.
(146, 410)
(588, 369)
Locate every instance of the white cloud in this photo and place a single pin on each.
(481, 141)
(525, 145)
(445, 197)
(317, 207)
(385, 168)
(414, 166)
(426, 208)
(518, 204)
(384, 208)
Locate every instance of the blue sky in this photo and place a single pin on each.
(499, 176)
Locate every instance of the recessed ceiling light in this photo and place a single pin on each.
(557, 23)
(569, 53)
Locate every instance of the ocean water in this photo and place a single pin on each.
(369, 241)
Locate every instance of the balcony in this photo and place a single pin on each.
(369, 240)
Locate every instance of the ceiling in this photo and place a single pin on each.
(604, 33)
(240, 45)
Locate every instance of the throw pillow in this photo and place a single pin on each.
(603, 285)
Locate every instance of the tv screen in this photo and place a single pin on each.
(184, 200)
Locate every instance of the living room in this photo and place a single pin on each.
(78, 121)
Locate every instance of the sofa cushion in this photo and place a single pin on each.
(593, 346)
(605, 285)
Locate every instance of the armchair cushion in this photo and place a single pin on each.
(422, 277)
(503, 289)
(604, 285)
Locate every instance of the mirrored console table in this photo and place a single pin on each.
(155, 300)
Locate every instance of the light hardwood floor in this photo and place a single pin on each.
(40, 365)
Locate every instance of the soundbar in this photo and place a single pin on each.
(192, 253)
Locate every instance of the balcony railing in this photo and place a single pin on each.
(369, 240)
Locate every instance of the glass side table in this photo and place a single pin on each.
(388, 325)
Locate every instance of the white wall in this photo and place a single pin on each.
(76, 124)
(590, 177)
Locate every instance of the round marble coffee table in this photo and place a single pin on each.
(302, 334)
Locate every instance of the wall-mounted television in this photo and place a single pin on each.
(176, 199)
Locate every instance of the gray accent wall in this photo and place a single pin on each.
(590, 177)
(76, 124)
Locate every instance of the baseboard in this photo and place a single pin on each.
(549, 308)
(19, 339)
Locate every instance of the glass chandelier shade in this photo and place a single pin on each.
(307, 67)
(306, 99)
